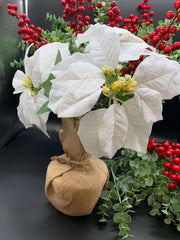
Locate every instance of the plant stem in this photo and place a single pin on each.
(115, 183)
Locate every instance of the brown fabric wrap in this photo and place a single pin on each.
(74, 180)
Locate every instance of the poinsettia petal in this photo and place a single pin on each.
(103, 44)
(148, 104)
(77, 90)
(103, 131)
(138, 129)
(28, 107)
(45, 58)
(113, 130)
(17, 81)
(88, 132)
(62, 66)
(159, 73)
(131, 46)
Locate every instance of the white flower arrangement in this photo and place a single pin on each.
(81, 78)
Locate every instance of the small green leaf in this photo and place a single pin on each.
(178, 227)
(117, 217)
(149, 181)
(47, 85)
(127, 217)
(103, 220)
(43, 109)
(58, 58)
(167, 221)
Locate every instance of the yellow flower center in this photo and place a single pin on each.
(117, 85)
(27, 83)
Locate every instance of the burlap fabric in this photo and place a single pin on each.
(74, 180)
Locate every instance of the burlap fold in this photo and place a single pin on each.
(74, 180)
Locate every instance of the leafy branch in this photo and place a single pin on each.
(136, 177)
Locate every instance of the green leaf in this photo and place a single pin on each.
(113, 194)
(58, 58)
(47, 85)
(117, 217)
(178, 227)
(149, 181)
(103, 220)
(167, 221)
(110, 185)
(43, 109)
(127, 217)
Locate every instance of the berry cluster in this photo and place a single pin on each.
(171, 153)
(132, 65)
(74, 12)
(29, 33)
(147, 13)
(113, 15)
(163, 34)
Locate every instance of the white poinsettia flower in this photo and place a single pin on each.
(79, 78)
(157, 78)
(37, 70)
(127, 46)
(29, 106)
(38, 66)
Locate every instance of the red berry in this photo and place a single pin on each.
(90, 7)
(32, 26)
(38, 30)
(113, 4)
(15, 7)
(178, 178)
(177, 5)
(132, 67)
(169, 14)
(79, 17)
(145, 38)
(162, 46)
(154, 145)
(145, 15)
(177, 45)
(140, 5)
(13, 13)
(152, 34)
(177, 151)
(145, 1)
(161, 149)
(99, 5)
(19, 31)
(155, 39)
(173, 177)
(27, 20)
(23, 15)
(63, 2)
(168, 153)
(166, 173)
(160, 154)
(176, 160)
(21, 23)
(126, 70)
(151, 13)
(177, 145)
(175, 168)
(81, 24)
(87, 18)
(172, 144)
(174, 29)
(172, 185)
(9, 6)
(167, 165)
(30, 41)
(166, 144)
(168, 50)
(36, 47)
(116, 10)
(36, 36)
(151, 140)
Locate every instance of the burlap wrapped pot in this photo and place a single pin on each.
(74, 180)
